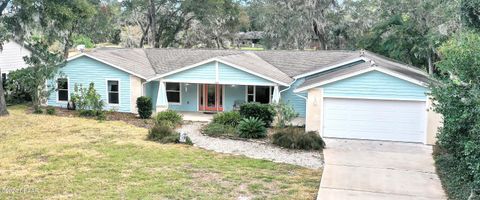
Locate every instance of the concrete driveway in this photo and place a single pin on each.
(370, 170)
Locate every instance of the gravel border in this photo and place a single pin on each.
(309, 159)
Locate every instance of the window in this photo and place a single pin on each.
(113, 92)
(62, 85)
(4, 79)
(173, 92)
(260, 94)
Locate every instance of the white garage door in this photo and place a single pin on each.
(374, 119)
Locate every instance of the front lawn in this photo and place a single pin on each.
(50, 157)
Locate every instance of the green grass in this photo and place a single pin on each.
(54, 157)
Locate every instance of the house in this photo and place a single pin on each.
(345, 94)
(11, 57)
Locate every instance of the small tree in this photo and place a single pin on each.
(144, 105)
(3, 103)
(44, 66)
(285, 114)
(87, 100)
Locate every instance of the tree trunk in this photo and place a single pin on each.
(3, 103)
(430, 65)
(153, 23)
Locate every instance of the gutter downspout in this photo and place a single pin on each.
(294, 80)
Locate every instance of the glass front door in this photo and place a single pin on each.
(210, 97)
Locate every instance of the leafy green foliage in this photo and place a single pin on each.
(470, 13)
(171, 116)
(17, 90)
(44, 66)
(83, 40)
(456, 96)
(88, 101)
(51, 110)
(264, 112)
(144, 105)
(251, 128)
(164, 133)
(285, 114)
(217, 129)
(295, 138)
(231, 118)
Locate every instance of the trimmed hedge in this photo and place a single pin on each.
(295, 138)
(231, 118)
(144, 105)
(264, 112)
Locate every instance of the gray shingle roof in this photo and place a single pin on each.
(281, 66)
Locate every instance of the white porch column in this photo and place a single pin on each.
(162, 101)
(276, 95)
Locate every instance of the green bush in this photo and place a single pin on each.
(88, 101)
(171, 116)
(251, 128)
(144, 105)
(231, 118)
(285, 114)
(163, 133)
(83, 40)
(264, 112)
(51, 110)
(295, 138)
(216, 129)
(37, 110)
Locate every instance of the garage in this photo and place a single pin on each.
(392, 120)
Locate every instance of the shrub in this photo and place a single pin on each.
(231, 118)
(88, 101)
(144, 105)
(294, 138)
(216, 129)
(163, 133)
(171, 116)
(252, 128)
(16, 90)
(51, 110)
(285, 114)
(37, 110)
(264, 112)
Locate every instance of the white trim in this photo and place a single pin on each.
(105, 62)
(374, 98)
(180, 93)
(68, 89)
(329, 67)
(385, 71)
(108, 92)
(221, 61)
(212, 82)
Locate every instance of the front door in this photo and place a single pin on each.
(211, 97)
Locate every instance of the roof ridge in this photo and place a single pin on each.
(149, 61)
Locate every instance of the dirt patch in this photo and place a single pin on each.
(129, 118)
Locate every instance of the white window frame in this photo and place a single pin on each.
(68, 90)
(255, 93)
(179, 91)
(108, 91)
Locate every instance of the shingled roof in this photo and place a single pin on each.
(281, 66)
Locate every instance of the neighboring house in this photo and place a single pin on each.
(346, 94)
(11, 58)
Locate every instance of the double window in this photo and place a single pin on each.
(62, 89)
(173, 92)
(113, 87)
(260, 94)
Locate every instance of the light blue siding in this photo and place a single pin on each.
(85, 70)
(232, 94)
(203, 73)
(298, 103)
(231, 75)
(151, 90)
(375, 85)
(188, 97)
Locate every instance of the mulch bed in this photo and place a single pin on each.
(128, 118)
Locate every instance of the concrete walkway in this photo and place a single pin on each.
(371, 170)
